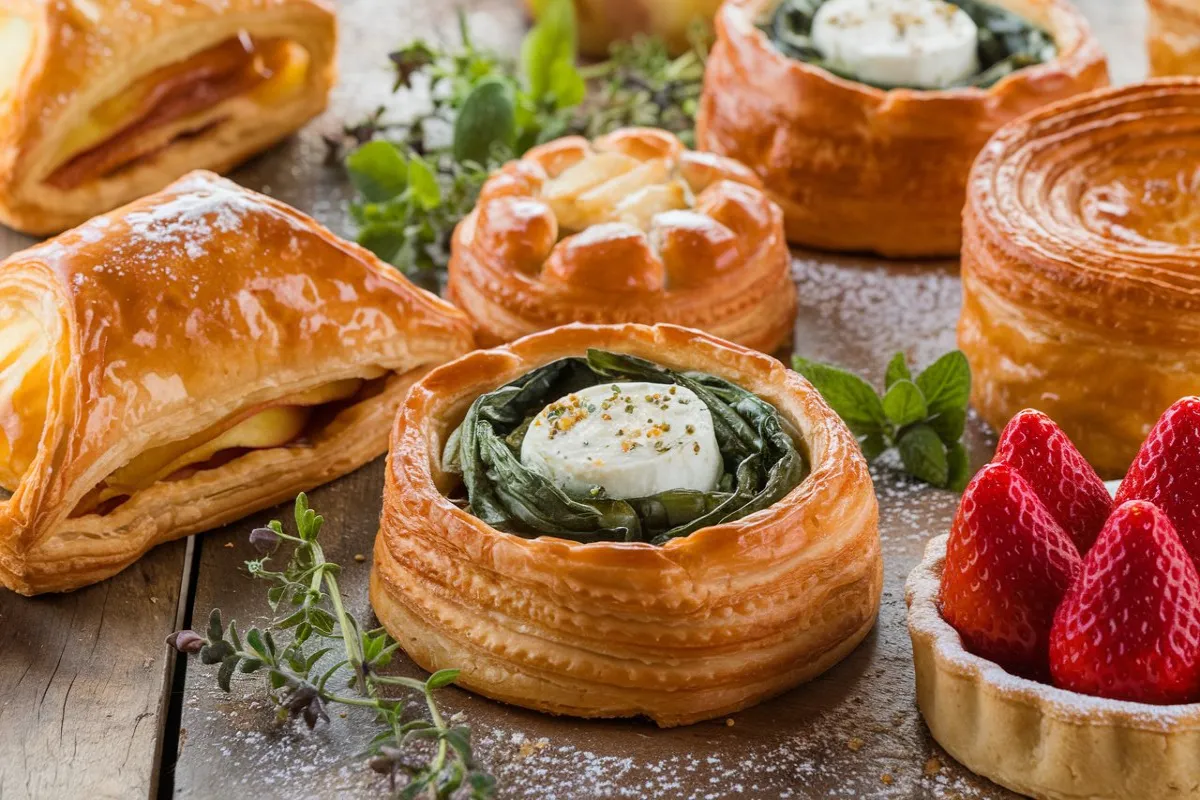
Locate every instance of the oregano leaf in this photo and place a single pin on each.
(378, 171)
(485, 121)
(443, 677)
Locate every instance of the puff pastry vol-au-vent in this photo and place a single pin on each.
(684, 529)
(186, 360)
(862, 117)
(1081, 266)
(1056, 630)
(632, 227)
(102, 102)
(1173, 37)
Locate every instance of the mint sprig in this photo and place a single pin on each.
(922, 417)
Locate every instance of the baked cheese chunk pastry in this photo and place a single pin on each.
(104, 101)
(184, 361)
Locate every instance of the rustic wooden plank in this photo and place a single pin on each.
(83, 682)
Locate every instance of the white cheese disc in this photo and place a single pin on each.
(928, 44)
(631, 439)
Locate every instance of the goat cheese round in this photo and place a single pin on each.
(630, 439)
(927, 44)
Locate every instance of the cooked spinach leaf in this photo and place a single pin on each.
(1007, 41)
(761, 460)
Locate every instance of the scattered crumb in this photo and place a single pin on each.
(855, 744)
(932, 767)
(887, 779)
(146, 664)
(729, 723)
(529, 748)
(359, 557)
(229, 545)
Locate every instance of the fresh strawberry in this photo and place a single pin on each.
(1062, 478)
(1129, 628)
(1166, 471)
(1008, 565)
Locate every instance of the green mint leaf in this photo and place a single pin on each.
(873, 446)
(897, 370)
(904, 404)
(946, 383)
(959, 466)
(378, 171)
(924, 455)
(459, 737)
(443, 677)
(410, 60)
(483, 786)
(551, 41)
(485, 122)
(851, 398)
(567, 86)
(423, 184)
(950, 424)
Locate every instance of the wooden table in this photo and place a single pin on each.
(93, 704)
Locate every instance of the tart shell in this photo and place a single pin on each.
(1031, 737)
(698, 628)
(860, 168)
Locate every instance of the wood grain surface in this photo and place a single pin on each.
(85, 678)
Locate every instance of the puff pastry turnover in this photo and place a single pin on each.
(1032, 737)
(104, 101)
(1081, 266)
(862, 168)
(193, 357)
(630, 228)
(701, 626)
(1173, 37)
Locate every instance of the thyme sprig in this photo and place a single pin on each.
(291, 651)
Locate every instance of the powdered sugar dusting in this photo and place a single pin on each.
(201, 208)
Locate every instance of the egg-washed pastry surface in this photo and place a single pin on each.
(632, 227)
(1081, 266)
(188, 359)
(610, 521)
(1173, 37)
(862, 117)
(103, 101)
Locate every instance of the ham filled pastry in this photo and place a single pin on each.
(184, 361)
(104, 101)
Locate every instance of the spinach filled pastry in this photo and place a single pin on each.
(1081, 266)
(1173, 37)
(612, 521)
(632, 227)
(184, 361)
(104, 101)
(862, 117)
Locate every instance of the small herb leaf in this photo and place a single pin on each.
(378, 171)
(946, 383)
(897, 370)
(904, 404)
(958, 466)
(924, 455)
(852, 398)
(486, 121)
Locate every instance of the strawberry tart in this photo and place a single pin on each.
(1056, 630)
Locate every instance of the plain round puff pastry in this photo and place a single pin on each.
(860, 168)
(1081, 266)
(702, 626)
(632, 227)
(1032, 737)
(1173, 37)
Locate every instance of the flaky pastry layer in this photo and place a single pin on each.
(1031, 737)
(1173, 37)
(630, 228)
(700, 627)
(145, 327)
(1081, 266)
(68, 68)
(859, 168)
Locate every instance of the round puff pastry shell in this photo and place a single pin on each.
(701, 627)
(859, 168)
(1173, 37)
(1081, 266)
(1031, 737)
(632, 227)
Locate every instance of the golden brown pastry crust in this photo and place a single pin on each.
(859, 168)
(700, 627)
(602, 23)
(1081, 266)
(1173, 37)
(1031, 737)
(85, 51)
(653, 233)
(168, 316)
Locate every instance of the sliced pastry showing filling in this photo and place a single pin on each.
(1056, 631)
(862, 117)
(614, 521)
(1081, 266)
(631, 227)
(184, 361)
(105, 102)
(1173, 37)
